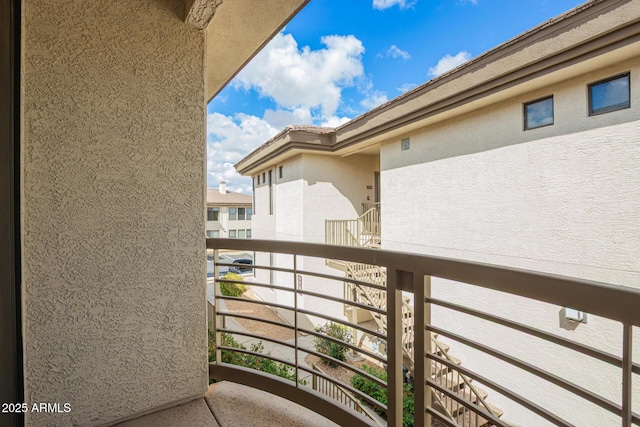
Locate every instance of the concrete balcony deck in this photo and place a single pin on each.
(227, 404)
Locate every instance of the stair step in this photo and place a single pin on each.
(442, 345)
(437, 366)
(452, 381)
(468, 418)
(456, 408)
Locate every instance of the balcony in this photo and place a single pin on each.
(445, 392)
(363, 231)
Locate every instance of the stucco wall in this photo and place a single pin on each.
(313, 188)
(113, 208)
(560, 199)
(335, 189)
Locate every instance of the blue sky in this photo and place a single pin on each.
(338, 59)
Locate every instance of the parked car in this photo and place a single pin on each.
(242, 269)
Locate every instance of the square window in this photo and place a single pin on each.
(212, 214)
(232, 234)
(538, 113)
(405, 144)
(233, 214)
(241, 234)
(610, 95)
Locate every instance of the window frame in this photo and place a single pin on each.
(608, 109)
(525, 121)
(233, 216)
(233, 234)
(242, 214)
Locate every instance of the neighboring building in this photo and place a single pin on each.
(526, 156)
(228, 213)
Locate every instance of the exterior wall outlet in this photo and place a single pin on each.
(575, 315)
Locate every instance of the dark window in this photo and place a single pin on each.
(538, 113)
(241, 214)
(610, 95)
(263, 178)
(270, 193)
(280, 172)
(258, 179)
(405, 144)
(212, 214)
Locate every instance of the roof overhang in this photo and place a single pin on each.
(235, 31)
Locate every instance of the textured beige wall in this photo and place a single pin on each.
(561, 199)
(113, 208)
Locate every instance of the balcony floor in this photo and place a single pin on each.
(227, 404)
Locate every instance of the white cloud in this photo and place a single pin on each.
(449, 62)
(406, 87)
(281, 118)
(229, 139)
(395, 52)
(303, 78)
(385, 4)
(374, 99)
(473, 2)
(334, 121)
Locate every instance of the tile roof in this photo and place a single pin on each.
(214, 197)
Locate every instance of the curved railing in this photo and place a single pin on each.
(411, 273)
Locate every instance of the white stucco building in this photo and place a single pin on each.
(526, 156)
(228, 213)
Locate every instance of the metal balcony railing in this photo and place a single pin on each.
(412, 274)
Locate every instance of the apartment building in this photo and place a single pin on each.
(228, 213)
(526, 156)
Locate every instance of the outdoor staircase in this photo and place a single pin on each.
(442, 375)
(365, 231)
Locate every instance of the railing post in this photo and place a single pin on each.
(295, 314)
(421, 346)
(394, 349)
(216, 304)
(627, 366)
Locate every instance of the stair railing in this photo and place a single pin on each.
(376, 298)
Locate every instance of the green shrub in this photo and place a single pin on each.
(379, 393)
(330, 348)
(229, 289)
(262, 364)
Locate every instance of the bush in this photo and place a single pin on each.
(229, 289)
(330, 348)
(262, 364)
(379, 393)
